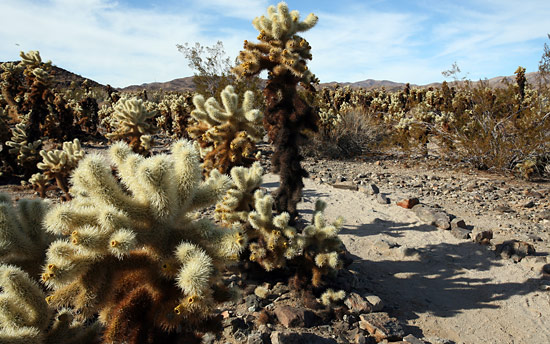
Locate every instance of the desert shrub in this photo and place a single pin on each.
(347, 135)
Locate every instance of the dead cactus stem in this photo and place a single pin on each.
(285, 119)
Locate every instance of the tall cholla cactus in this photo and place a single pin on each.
(133, 252)
(283, 54)
(133, 124)
(23, 240)
(58, 165)
(26, 317)
(227, 133)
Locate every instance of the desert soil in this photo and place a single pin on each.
(442, 287)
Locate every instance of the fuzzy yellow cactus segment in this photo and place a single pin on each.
(26, 318)
(132, 121)
(228, 132)
(322, 244)
(280, 49)
(23, 240)
(273, 241)
(239, 199)
(127, 237)
(58, 165)
(331, 297)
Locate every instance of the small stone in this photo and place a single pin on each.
(255, 338)
(294, 317)
(410, 339)
(383, 245)
(225, 314)
(408, 203)
(370, 189)
(460, 233)
(458, 223)
(527, 204)
(346, 186)
(359, 338)
(376, 302)
(514, 249)
(442, 221)
(252, 301)
(482, 236)
(382, 199)
(357, 304)
(381, 326)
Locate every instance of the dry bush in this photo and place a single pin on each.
(355, 133)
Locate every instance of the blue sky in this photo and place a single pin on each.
(132, 42)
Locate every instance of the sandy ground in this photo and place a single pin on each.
(436, 284)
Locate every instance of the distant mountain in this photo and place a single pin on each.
(62, 78)
(177, 85)
(186, 84)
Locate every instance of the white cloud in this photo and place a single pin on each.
(113, 43)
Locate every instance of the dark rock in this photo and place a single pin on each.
(481, 236)
(294, 317)
(511, 248)
(376, 302)
(357, 304)
(458, 223)
(252, 301)
(408, 203)
(382, 199)
(381, 326)
(278, 337)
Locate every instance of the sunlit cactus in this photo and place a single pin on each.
(133, 251)
(58, 164)
(132, 122)
(25, 316)
(23, 239)
(226, 132)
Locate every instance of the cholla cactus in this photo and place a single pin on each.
(133, 124)
(58, 165)
(273, 240)
(283, 54)
(175, 112)
(322, 246)
(226, 133)
(239, 199)
(132, 251)
(331, 297)
(23, 240)
(26, 317)
(26, 152)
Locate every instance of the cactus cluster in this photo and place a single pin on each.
(133, 122)
(284, 55)
(313, 251)
(132, 250)
(57, 165)
(226, 133)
